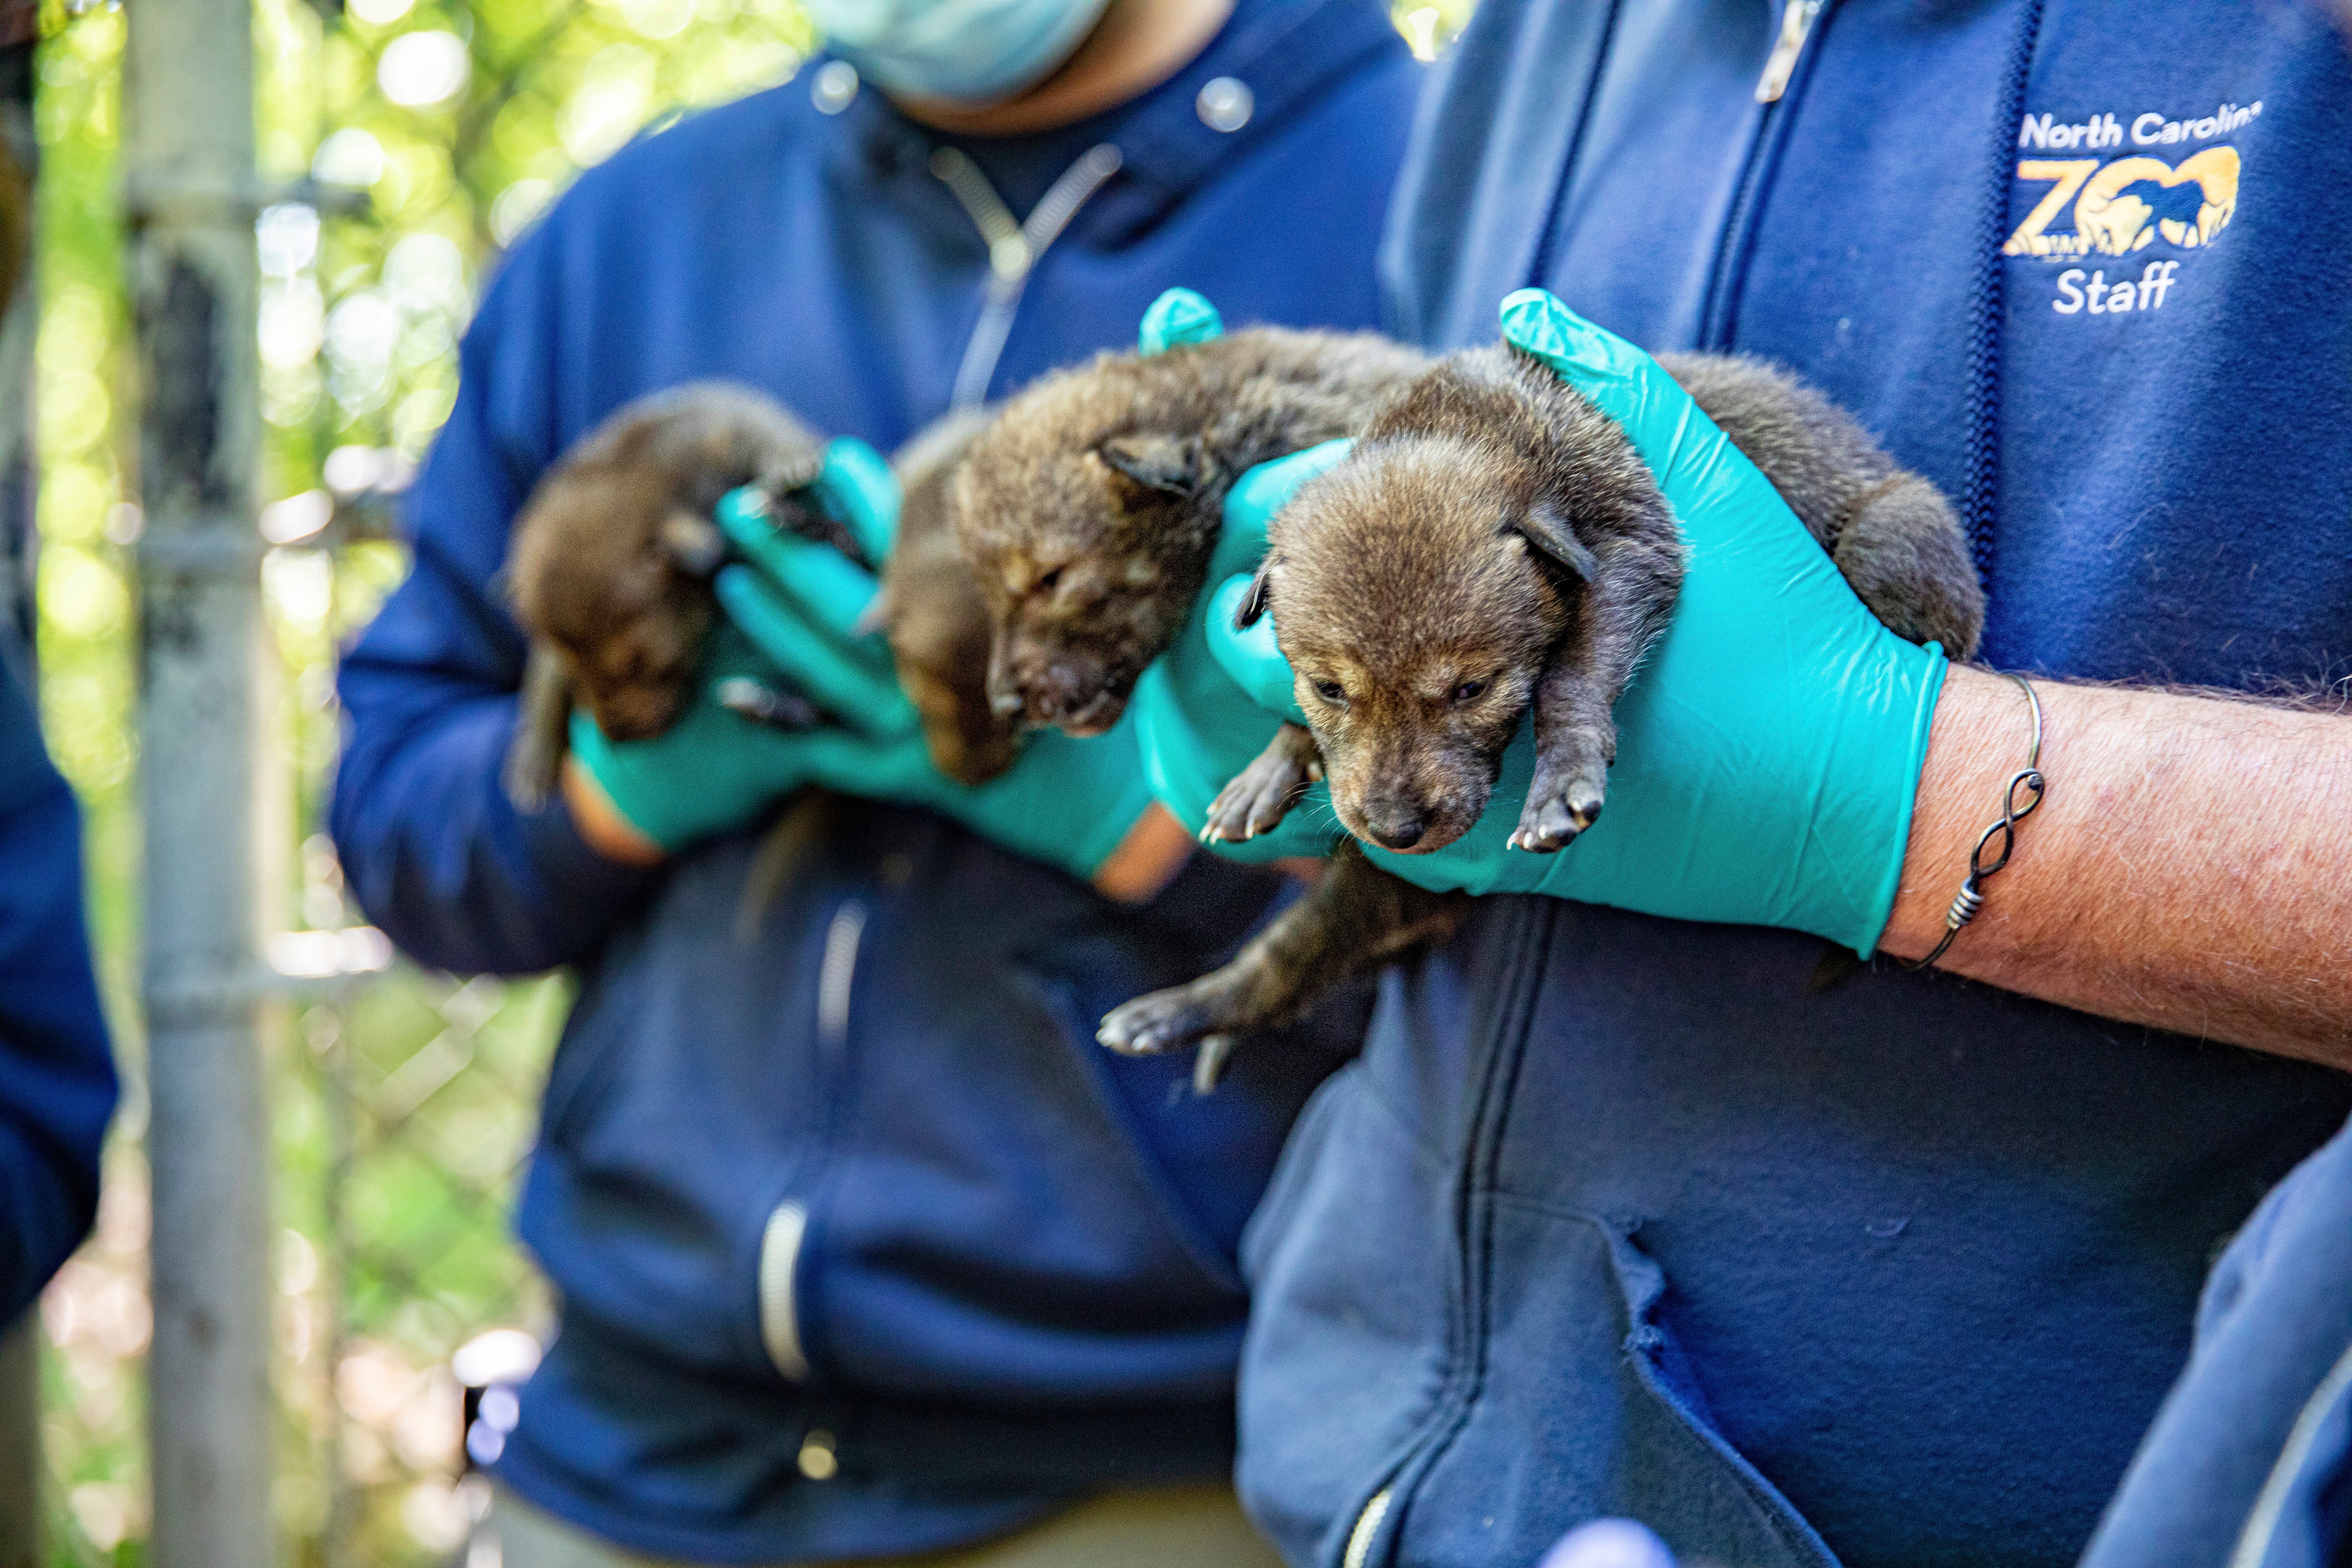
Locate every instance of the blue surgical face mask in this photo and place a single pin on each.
(966, 52)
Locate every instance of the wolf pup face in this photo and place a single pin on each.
(634, 678)
(1417, 592)
(628, 619)
(1089, 559)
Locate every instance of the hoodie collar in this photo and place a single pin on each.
(1285, 53)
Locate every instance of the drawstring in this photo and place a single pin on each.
(1983, 492)
(1013, 250)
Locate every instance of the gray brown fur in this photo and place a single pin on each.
(1089, 509)
(611, 564)
(934, 619)
(1895, 538)
(1495, 543)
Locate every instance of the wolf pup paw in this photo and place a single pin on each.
(1163, 1020)
(1558, 808)
(1259, 796)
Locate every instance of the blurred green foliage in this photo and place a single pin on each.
(400, 1104)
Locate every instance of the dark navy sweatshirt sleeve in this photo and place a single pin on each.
(57, 1078)
(430, 843)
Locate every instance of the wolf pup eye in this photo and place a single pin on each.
(1331, 691)
(1469, 691)
(1049, 581)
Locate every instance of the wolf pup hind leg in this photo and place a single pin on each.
(1354, 919)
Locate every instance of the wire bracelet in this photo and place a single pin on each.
(2028, 779)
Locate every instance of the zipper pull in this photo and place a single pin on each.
(1796, 22)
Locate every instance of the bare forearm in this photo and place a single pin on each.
(2190, 868)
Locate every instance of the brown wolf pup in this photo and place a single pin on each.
(612, 560)
(610, 566)
(1492, 544)
(1089, 509)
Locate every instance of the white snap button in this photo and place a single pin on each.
(818, 1462)
(1224, 104)
(835, 87)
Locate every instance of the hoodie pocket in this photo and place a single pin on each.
(1580, 1409)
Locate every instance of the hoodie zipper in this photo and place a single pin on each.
(1528, 932)
(1796, 24)
(788, 1223)
(1368, 1526)
(1718, 322)
(1013, 250)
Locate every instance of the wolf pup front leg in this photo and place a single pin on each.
(1256, 799)
(1628, 598)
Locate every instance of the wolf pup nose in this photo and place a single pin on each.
(1044, 691)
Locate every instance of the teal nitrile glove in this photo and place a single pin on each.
(792, 613)
(1209, 705)
(1179, 316)
(1768, 750)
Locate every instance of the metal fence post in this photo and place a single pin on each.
(191, 188)
(20, 1444)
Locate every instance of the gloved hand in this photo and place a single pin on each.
(1768, 750)
(791, 608)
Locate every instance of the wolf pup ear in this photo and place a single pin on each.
(1256, 603)
(1172, 465)
(1548, 531)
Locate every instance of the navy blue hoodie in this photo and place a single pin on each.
(861, 1184)
(2249, 1464)
(1617, 1214)
(57, 1078)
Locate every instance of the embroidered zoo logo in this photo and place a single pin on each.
(2121, 206)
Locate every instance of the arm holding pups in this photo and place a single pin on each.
(791, 688)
